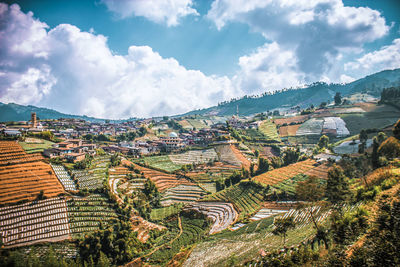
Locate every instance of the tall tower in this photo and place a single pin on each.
(237, 111)
(33, 119)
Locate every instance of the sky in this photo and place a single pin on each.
(141, 58)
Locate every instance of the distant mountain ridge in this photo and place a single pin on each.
(313, 94)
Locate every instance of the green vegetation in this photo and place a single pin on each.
(162, 213)
(36, 147)
(160, 162)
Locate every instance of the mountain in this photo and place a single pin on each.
(15, 112)
(313, 94)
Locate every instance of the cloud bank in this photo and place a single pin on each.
(159, 11)
(75, 72)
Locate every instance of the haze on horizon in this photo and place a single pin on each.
(121, 59)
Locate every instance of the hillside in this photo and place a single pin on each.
(313, 94)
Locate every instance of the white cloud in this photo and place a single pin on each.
(388, 57)
(75, 72)
(159, 11)
(318, 33)
(267, 69)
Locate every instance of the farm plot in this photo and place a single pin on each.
(33, 222)
(288, 120)
(226, 155)
(208, 174)
(278, 175)
(164, 212)
(124, 181)
(185, 124)
(143, 228)
(182, 194)
(335, 126)
(27, 181)
(86, 214)
(222, 214)
(34, 145)
(311, 127)
(239, 155)
(350, 147)
(246, 197)
(198, 124)
(161, 163)
(162, 180)
(194, 156)
(88, 181)
(265, 213)
(289, 130)
(269, 130)
(12, 153)
(64, 177)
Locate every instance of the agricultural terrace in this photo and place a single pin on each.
(182, 194)
(123, 182)
(33, 222)
(163, 163)
(291, 120)
(194, 156)
(335, 126)
(143, 228)
(162, 180)
(375, 117)
(239, 155)
(198, 123)
(34, 145)
(226, 154)
(86, 214)
(289, 130)
(12, 153)
(245, 196)
(311, 127)
(185, 124)
(27, 181)
(269, 130)
(307, 167)
(222, 214)
(164, 212)
(64, 177)
(265, 213)
(85, 180)
(208, 174)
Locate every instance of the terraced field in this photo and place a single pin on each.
(198, 124)
(164, 212)
(124, 182)
(311, 127)
(33, 145)
(27, 181)
(94, 177)
(246, 197)
(288, 120)
(268, 128)
(33, 222)
(289, 130)
(86, 214)
(194, 156)
(222, 214)
(182, 194)
(308, 167)
(208, 174)
(12, 153)
(64, 177)
(162, 180)
(161, 163)
(226, 155)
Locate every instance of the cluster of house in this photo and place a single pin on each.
(71, 149)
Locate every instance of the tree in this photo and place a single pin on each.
(396, 130)
(390, 148)
(363, 136)
(282, 225)
(263, 166)
(290, 156)
(323, 105)
(338, 99)
(337, 188)
(323, 142)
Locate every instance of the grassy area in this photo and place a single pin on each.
(161, 163)
(197, 123)
(162, 213)
(36, 147)
(269, 130)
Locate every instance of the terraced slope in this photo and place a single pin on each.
(269, 130)
(208, 174)
(182, 194)
(12, 153)
(86, 214)
(226, 155)
(303, 167)
(245, 196)
(64, 177)
(162, 180)
(33, 222)
(26, 181)
(194, 156)
(222, 214)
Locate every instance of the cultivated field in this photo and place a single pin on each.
(269, 130)
(86, 214)
(311, 127)
(288, 120)
(222, 214)
(64, 177)
(27, 181)
(161, 162)
(194, 156)
(33, 222)
(308, 167)
(34, 145)
(181, 194)
(289, 130)
(226, 155)
(335, 126)
(12, 153)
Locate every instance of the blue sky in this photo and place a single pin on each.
(124, 58)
